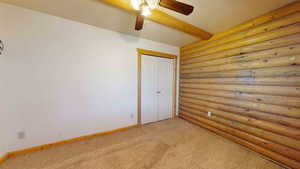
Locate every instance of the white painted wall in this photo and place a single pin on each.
(61, 79)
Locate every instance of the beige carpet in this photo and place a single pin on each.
(172, 144)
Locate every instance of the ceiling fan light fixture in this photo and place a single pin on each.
(153, 3)
(136, 4)
(146, 10)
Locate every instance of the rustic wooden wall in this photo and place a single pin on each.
(249, 79)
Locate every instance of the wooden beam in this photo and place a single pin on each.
(163, 18)
(154, 53)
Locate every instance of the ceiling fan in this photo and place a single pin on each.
(145, 6)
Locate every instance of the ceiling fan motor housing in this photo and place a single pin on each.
(138, 3)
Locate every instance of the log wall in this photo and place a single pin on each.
(249, 79)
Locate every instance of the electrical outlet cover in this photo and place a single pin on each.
(21, 135)
(132, 115)
(209, 114)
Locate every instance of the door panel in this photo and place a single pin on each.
(165, 88)
(148, 88)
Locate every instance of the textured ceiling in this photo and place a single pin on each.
(211, 15)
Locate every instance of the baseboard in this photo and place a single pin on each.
(3, 158)
(47, 146)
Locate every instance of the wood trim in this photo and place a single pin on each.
(175, 88)
(163, 18)
(155, 53)
(139, 96)
(139, 67)
(3, 158)
(268, 17)
(47, 146)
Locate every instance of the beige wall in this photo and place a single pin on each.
(62, 79)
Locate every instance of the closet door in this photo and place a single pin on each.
(156, 89)
(165, 88)
(149, 109)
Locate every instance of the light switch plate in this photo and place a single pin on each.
(209, 114)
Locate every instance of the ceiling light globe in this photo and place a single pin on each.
(146, 10)
(136, 4)
(153, 3)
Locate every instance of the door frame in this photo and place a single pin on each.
(139, 80)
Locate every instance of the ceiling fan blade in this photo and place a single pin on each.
(177, 6)
(139, 22)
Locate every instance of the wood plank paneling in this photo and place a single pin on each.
(244, 34)
(291, 153)
(280, 32)
(265, 54)
(249, 79)
(286, 71)
(274, 43)
(258, 98)
(275, 156)
(275, 81)
(249, 116)
(289, 142)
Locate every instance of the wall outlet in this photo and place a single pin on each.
(209, 114)
(21, 135)
(131, 115)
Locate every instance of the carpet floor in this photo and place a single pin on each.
(170, 144)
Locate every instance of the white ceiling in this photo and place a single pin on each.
(211, 15)
(217, 16)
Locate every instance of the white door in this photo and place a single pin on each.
(156, 89)
(165, 88)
